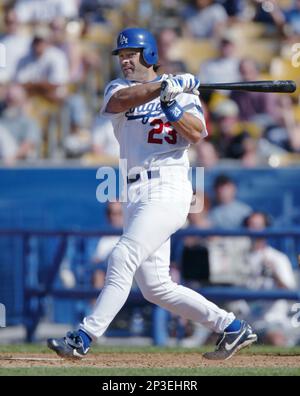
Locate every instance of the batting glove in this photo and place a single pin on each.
(173, 111)
(189, 83)
(170, 88)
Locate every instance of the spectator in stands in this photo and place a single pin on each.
(268, 268)
(78, 141)
(234, 8)
(292, 19)
(252, 154)
(209, 19)
(197, 219)
(44, 70)
(8, 147)
(282, 132)
(227, 212)
(16, 45)
(254, 106)
(22, 128)
(80, 54)
(294, 138)
(93, 11)
(97, 252)
(233, 140)
(206, 155)
(41, 11)
(224, 68)
(286, 19)
(200, 218)
(104, 141)
(106, 244)
(166, 39)
(71, 48)
(268, 12)
(192, 267)
(81, 61)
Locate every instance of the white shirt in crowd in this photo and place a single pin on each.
(266, 267)
(16, 47)
(52, 67)
(262, 270)
(204, 22)
(268, 264)
(8, 145)
(45, 10)
(104, 138)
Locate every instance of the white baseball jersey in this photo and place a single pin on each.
(147, 139)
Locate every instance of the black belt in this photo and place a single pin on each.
(150, 174)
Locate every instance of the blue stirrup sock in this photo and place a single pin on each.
(234, 326)
(86, 339)
(172, 110)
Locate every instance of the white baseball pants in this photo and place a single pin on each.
(157, 209)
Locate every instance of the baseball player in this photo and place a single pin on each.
(155, 119)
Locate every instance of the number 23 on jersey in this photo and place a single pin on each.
(155, 135)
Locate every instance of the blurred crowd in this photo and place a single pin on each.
(57, 62)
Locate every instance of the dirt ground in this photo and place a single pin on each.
(146, 360)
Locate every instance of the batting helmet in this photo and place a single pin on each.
(138, 38)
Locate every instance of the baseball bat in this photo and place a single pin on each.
(283, 86)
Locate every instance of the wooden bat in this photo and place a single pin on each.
(283, 86)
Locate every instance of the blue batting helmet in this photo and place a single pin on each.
(138, 38)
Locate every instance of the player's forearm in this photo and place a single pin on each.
(190, 127)
(137, 95)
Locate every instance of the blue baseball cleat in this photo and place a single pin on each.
(231, 342)
(70, 347)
